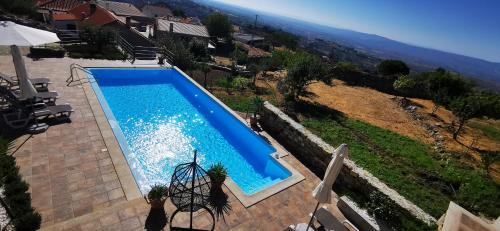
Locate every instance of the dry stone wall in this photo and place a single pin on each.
(316, 153)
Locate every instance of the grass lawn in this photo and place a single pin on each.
(491, 130)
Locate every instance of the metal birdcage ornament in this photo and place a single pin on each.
(189, 189)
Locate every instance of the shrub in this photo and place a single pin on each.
(240, 82)
(16, 194)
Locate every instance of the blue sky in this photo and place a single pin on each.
(469, 27)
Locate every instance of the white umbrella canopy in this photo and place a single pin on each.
(322, 192)
(19, 35)
(15, 35)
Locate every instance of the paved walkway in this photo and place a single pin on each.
(74, 184)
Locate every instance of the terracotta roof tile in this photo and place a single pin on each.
(98, 18)
(64, 17)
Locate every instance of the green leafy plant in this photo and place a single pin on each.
(217, 173)
(16, 195)
(240, 82)
(158, 192)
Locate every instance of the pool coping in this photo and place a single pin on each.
(125, 175)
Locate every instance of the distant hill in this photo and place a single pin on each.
(362, 48)
(485, 73)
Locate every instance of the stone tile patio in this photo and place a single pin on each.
(75, 186)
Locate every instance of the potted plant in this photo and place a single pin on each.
(157, 195)
(217, 174)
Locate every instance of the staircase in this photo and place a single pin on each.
(136, 45)
(69, 36)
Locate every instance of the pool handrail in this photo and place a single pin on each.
(77, 66)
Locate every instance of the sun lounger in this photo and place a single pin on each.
(20, 114)
(48, 98)
(330, 222)
(41, 84)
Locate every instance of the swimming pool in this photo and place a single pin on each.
(160, 117)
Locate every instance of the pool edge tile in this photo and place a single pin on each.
(127, 180)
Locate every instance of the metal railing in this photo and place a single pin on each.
(69, 36)
(137, 52)
(73, 69)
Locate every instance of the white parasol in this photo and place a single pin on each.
(15, 35)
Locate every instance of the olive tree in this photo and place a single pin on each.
(393, 67)
(304, 69)
(218, 25)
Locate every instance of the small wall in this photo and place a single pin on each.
(313, 151)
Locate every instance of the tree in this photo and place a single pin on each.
(24, 7)
(289, 40)
(205, 68)
(198, 49)
(404, 84)
(254, 69)
(465, 108)
(303, 69)
(393, 67)
(98, 36)
(219, 25)
(240, 55)
(444, 86)
(179, 55)
(346, 67)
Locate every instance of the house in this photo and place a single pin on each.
(249, 39)
(165, 28)
(126, 13)
(153, 11)
(48, 7)
(91, 13)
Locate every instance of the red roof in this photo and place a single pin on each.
(98, 18)
(64, 17)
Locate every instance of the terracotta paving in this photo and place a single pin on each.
(74, 183)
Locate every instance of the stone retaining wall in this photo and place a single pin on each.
(313, 151)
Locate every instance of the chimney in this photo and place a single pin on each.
(93, 7)
(128, 21)
(171, 27)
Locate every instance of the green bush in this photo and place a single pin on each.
(240, 83)
(16, 193)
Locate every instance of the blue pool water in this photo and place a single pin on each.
(160, 117)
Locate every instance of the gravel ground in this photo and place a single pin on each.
(4, 218)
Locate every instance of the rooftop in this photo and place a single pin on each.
(100, 17)
(58, 5)
(242, 37)
(121, 8)
(183, 28)
(64, 17)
